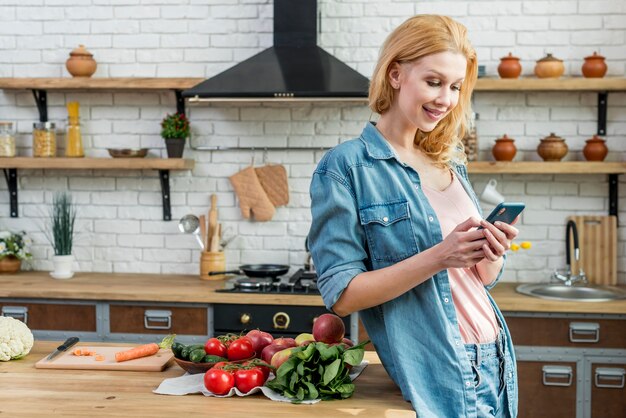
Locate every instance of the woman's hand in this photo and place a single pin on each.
(499, 237)
(463, 247)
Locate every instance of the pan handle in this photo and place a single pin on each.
(214, 273)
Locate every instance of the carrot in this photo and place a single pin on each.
(144, 350)
(77, 352)
(99, 357)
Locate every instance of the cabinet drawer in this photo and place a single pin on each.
(568, 332)
(608, 390)
(52, 316)
(158, 320)
(541, 383)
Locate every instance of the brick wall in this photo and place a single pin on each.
(120, 226)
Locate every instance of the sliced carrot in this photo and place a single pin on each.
(77, 352)
(137, 352)
(99, 357)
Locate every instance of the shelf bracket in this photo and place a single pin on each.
(41, 98)
(602, 105)
(164, 175)
(180, 102)
(10, 174)
(613, 185)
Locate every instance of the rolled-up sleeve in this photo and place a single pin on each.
(336, 239)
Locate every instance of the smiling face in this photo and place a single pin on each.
(427, 90)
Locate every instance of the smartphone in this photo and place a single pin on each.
(505, 212)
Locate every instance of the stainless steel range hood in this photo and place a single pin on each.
(294, 69)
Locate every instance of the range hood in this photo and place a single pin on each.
(294, 68)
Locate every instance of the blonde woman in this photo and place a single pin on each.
(394, 233)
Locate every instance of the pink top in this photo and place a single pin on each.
(477, 320)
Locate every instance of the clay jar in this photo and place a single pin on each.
(504, 149)
(594, 66)
(595, 149)
(549, 67)
(552, 148)
(509, 67)
(81, 63)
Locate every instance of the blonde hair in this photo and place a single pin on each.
(418, 37)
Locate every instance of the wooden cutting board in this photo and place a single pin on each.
(597, 238)
(155, 363)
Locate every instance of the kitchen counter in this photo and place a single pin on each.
(191, 289)
(27, 391)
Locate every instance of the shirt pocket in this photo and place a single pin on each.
(389, 231)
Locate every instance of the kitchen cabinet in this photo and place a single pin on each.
(572, 365)
(157, 319)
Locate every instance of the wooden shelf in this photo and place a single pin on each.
(125, 83)
(98, 163)
(160, 83)
(542, 167)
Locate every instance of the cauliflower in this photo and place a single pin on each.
(16, 340)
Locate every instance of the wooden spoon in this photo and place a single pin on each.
(212, 222)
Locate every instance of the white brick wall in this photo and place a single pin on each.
(120, 226)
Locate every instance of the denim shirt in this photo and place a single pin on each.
(369, 212)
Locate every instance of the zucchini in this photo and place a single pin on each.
(197, 355)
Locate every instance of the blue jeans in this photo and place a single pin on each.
(488, 366)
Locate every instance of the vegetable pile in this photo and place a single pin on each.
(318, 370)
(16, 340)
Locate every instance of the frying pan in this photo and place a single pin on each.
(257, 270)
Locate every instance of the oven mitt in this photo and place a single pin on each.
(253, 200)
(273, 178)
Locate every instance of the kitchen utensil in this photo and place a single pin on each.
(509, 67)
(127, 152)
(552, 148)
(203, 226)
(490, 194)
(190, 224)
(594, 66)
(63, 347)
(212, 220)
(212, 261)
(67, 360)
(257, 270)
(81, 62)
(549, 67)
(597, 239)
(595, 149)
(504, 149)
(215, 239)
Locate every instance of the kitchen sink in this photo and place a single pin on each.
(585, 293)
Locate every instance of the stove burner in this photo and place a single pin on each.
(301, 282)
(252, 283)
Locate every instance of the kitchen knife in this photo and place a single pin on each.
(63, 347)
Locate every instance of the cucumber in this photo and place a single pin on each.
(186, 351)
(210, 358)
(197, 355)
(177, 348)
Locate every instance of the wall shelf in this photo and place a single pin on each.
(542, 167)
(163, 165)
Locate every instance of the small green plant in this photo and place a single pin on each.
(62, 219)
(175, 126)
(15, 244)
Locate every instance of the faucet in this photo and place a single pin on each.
(568, 279)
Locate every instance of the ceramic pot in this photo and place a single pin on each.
(81, 63)
(504, 149)
(595, 149)
(549, 67)
(594, 66)
(10, 264)
(509, 67)
(175, 147)
(62, 266)
(552, 148)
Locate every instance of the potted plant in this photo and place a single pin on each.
(175, 129)
(14, 247)
(61, 235)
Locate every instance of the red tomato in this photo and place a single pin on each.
(240, 349)
(218, 381)
(220, 365)
(264, 369)
(215, 347)
(247, 379)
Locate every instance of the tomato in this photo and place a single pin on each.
(219, 381)
(264, 369)
(215, 347)
(247, 379)
(220, 365)
(240, 349)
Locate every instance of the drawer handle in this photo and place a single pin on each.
(557, 372)
(589, 331)
(610, 373)
(17, 312)
(281, 320)
(152, 315)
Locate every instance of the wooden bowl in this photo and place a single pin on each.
(195, 368)
(127, 152)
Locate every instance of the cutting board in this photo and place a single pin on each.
(67, 360)
(597, 238)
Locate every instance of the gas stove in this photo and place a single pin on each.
(301, 282)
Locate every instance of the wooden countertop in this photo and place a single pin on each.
(190, 289)
(27, 391)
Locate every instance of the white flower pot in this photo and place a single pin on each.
(62, 266)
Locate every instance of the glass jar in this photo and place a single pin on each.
(7, 140)
(470, 139)
(74, 142)
(44, 139)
